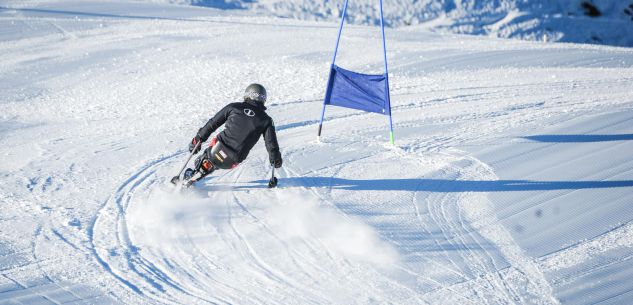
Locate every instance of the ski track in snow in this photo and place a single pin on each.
(87, 216)
(146, 276)
(474, 266)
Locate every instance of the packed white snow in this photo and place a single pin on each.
(582, 21)
(510, 180)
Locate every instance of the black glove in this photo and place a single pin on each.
(193, 143)
(277, 163)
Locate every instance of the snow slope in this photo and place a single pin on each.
(582, 21)
(510, 181)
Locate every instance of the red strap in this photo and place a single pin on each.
(213, 141)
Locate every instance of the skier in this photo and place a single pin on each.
(244, 123)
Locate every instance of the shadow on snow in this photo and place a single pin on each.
(579, 138)
(138, 17)
(440, 185)
(88, 14)
(224, 4)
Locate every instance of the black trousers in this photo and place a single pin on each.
(217, 156)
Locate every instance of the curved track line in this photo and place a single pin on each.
(145, 270)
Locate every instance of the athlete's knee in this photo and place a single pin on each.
(203, 163)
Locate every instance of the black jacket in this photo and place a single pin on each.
(243, 123)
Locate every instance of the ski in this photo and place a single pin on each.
(188, 179)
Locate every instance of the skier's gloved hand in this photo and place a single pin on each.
(193, 143)
(277, 163)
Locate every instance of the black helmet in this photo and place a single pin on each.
(255, 92)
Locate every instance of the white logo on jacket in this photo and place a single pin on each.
(249, 112)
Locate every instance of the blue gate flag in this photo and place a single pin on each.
(367, 92)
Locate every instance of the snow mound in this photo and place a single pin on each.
(607, 22)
